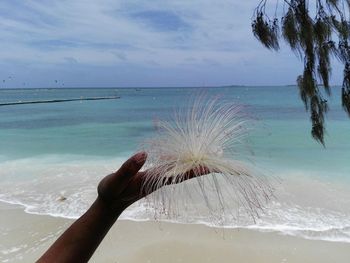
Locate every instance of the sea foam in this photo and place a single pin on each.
(305, 205)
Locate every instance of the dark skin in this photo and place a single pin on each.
(116, 192)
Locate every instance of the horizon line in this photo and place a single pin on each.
(158, 87)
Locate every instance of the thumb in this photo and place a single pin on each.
(112, 185)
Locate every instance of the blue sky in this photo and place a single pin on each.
(129, 43)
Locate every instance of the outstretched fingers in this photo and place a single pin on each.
(140, 181)
(195, 172)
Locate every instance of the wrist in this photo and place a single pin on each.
(105, 209)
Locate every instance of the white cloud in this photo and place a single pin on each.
(105, 33)
(90, 24)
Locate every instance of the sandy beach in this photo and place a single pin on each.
(24, 237)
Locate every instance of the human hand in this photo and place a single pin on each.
(122, 188)
(125, 186)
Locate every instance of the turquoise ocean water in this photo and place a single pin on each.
(49, 150)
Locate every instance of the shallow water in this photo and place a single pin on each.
(64, 149)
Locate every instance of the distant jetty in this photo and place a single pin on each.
(57, 100)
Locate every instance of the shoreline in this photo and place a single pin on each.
(279, 230)
(24, 237)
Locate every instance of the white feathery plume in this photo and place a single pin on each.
(211, 136)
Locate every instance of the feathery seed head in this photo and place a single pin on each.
(208, 139)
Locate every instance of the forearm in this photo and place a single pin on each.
(116, 192)
(80, 240)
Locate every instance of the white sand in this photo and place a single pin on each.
(25, 237)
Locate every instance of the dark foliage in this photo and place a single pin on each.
(316, 33)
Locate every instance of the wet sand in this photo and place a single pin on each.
(24, 237)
